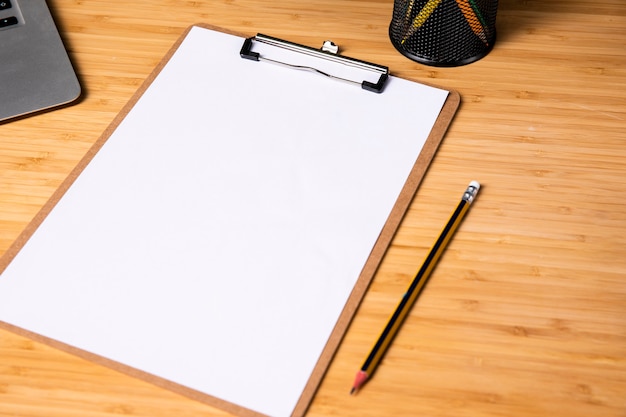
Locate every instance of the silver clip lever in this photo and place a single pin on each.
(328, 51)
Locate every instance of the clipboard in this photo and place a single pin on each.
(26, 276)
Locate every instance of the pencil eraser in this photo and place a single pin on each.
(475, 184)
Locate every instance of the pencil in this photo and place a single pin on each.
(396, 319)
(421, 17)
(474, 18)
(407, 15)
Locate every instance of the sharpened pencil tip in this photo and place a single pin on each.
(360, 379)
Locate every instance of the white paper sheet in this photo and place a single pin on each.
(215, 238)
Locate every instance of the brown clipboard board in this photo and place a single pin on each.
(366, 276)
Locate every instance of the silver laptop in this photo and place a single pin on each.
(35, 71)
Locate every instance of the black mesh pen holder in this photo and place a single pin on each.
(444, 33)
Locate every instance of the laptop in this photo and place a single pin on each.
(35, 71)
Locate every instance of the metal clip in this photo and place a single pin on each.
(330, 47)
(329, 52)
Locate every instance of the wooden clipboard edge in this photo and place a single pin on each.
(365, 278)
(380, 248)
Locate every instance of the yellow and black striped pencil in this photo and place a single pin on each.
(421, 17)
(394, 323)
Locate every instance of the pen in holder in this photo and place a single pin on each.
(444, 33)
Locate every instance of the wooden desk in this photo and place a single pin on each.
(526, 313)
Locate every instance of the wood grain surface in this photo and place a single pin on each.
(525, 314)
